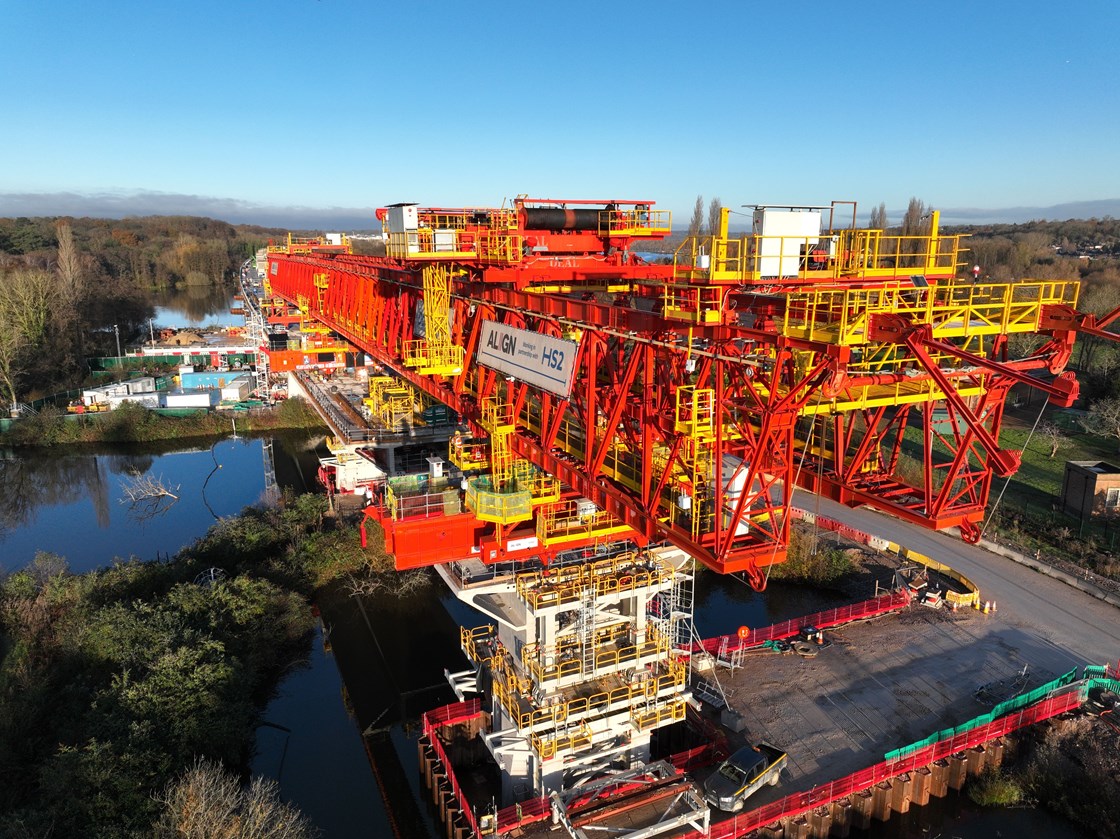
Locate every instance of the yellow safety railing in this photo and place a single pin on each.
(395, 406)
(631, 654)
(469, 455)
(302, 245)
(617, 575)
(497, 415)
(500, 248)
(487, 504)
(825, 256)
(458, 235)
(435, 353)
(562, 522)
(473, 640)
(433, 359)
(693, 303)
(695, 415)
(565, 659)
(637, 221)
(542, 487)
(644, 718)
(548, 593)
(659, 687)
(549, 747)
(893, 393)
(959, 310)
(628, 581)
(429, 244)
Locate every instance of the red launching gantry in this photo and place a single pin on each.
(607, 397)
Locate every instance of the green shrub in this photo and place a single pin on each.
(995, 788)
(810, 562)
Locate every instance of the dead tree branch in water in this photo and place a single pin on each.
(147, 496)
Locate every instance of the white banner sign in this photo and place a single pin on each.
(541, 360)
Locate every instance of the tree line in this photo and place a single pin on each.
(68, 286)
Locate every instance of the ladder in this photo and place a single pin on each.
(587, 626)
(705, 691)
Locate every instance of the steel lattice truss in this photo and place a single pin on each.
(703, 394)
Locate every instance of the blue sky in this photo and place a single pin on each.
(321, 103)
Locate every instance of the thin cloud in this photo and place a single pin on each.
(145, 203)
(1018, 215)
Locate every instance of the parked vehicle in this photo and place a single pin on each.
(743, 774)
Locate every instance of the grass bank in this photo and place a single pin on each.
(115, 683)
(131, 423)
(1029, 517)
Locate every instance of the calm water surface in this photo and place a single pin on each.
(194, 307)
(74, 505)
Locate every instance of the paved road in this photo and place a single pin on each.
(1068, 626)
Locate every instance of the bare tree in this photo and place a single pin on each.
(715, 210)
(207, 801)
(697, 222)
(69, 265)
(1054, 437)
(1099, 300)
(392, 583)
(147, 496)
(69, 344)
(879, 217)
(914, 222)
(1103, 418)
(1023, 344)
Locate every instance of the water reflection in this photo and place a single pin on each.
(31, 483)
(194, 305)
(725, 602)
(74, 505)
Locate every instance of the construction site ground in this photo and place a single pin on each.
(878, 685)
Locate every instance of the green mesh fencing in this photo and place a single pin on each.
(1030, 697)
(1008, 706)
(1106, 684)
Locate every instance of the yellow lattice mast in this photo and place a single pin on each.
(496, 497)
(497, 421)
(435, 353)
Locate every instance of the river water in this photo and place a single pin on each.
(372, 666)
(195, 307)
